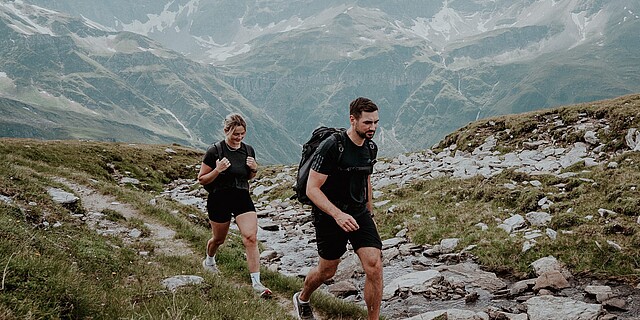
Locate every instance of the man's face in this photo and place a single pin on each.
(366, 126)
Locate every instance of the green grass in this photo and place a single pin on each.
(70, 272)
(445, 208)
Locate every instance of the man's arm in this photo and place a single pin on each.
(314, 182)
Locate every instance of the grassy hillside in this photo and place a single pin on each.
(54, 266)
(452, 208)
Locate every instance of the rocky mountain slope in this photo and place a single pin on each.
(64, 78)
(432, 66)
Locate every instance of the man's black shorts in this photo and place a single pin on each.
(332, 240)
(225, 203)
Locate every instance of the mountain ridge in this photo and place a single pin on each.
(431, 67)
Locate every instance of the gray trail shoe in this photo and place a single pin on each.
(303, 310)
(209, 267)
(263, 291)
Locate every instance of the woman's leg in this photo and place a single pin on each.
(219, 233)
(248, 225)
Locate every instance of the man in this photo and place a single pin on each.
(342, 208)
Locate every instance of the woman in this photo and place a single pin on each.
(225, 172)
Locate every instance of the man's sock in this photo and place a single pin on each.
(302, 301)
(211, 261)
(255, 278)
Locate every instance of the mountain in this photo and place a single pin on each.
(63, 78)
(432, 66)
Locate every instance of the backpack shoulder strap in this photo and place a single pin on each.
(220, 149)
(249, 150)
(340, 139)
(373, 151)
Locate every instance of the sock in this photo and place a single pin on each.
(211, 260)
(301, 301)
(255, 278)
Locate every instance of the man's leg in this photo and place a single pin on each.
(318, 275)
(371, 259)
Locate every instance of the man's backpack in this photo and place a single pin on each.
(308, 149)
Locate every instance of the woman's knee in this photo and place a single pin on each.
(250, 240)
(217, 241)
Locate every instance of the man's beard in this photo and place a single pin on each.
(363, 135)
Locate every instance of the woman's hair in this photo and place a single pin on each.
(359, 105)
(232, 121)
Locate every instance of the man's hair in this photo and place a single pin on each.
(359, 105)
(232, 121)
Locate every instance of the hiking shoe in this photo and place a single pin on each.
(303, 310)
(209, 267)
(263, 291)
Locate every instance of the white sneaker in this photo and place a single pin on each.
(303, 310)
(263, 291)
(210, 267)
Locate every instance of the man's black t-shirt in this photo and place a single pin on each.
(236, 176)
(346, 190)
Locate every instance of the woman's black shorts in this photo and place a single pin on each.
(332, 240)
(224, 203)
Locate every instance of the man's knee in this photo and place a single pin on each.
(327, 271)
(372, 263)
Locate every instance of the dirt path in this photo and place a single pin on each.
(94, 203)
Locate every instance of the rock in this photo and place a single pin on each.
(62, 197)
(606, 213)
(175, 282)
(614, 245)
(601, 291)
(538, 219)
(549, 263)
(448, 245)
(550, 307)
(551, 279)
(471, 297)
(270, 226)
(268, 255)
(343, 289)
(633, 139)
(471, 274)
(127, 180)
(452, 314)
(591, 138)
(513, 223)
(615, 304)
(521, 286)
(408, 281)
(392, 242)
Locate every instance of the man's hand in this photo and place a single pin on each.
(346, 222)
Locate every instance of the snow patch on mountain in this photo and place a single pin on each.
(25, 24)
(179, 122)
(98, 44)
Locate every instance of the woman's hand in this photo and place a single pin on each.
(252, 164)
(223, 164)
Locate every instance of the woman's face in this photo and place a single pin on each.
(235, 135)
